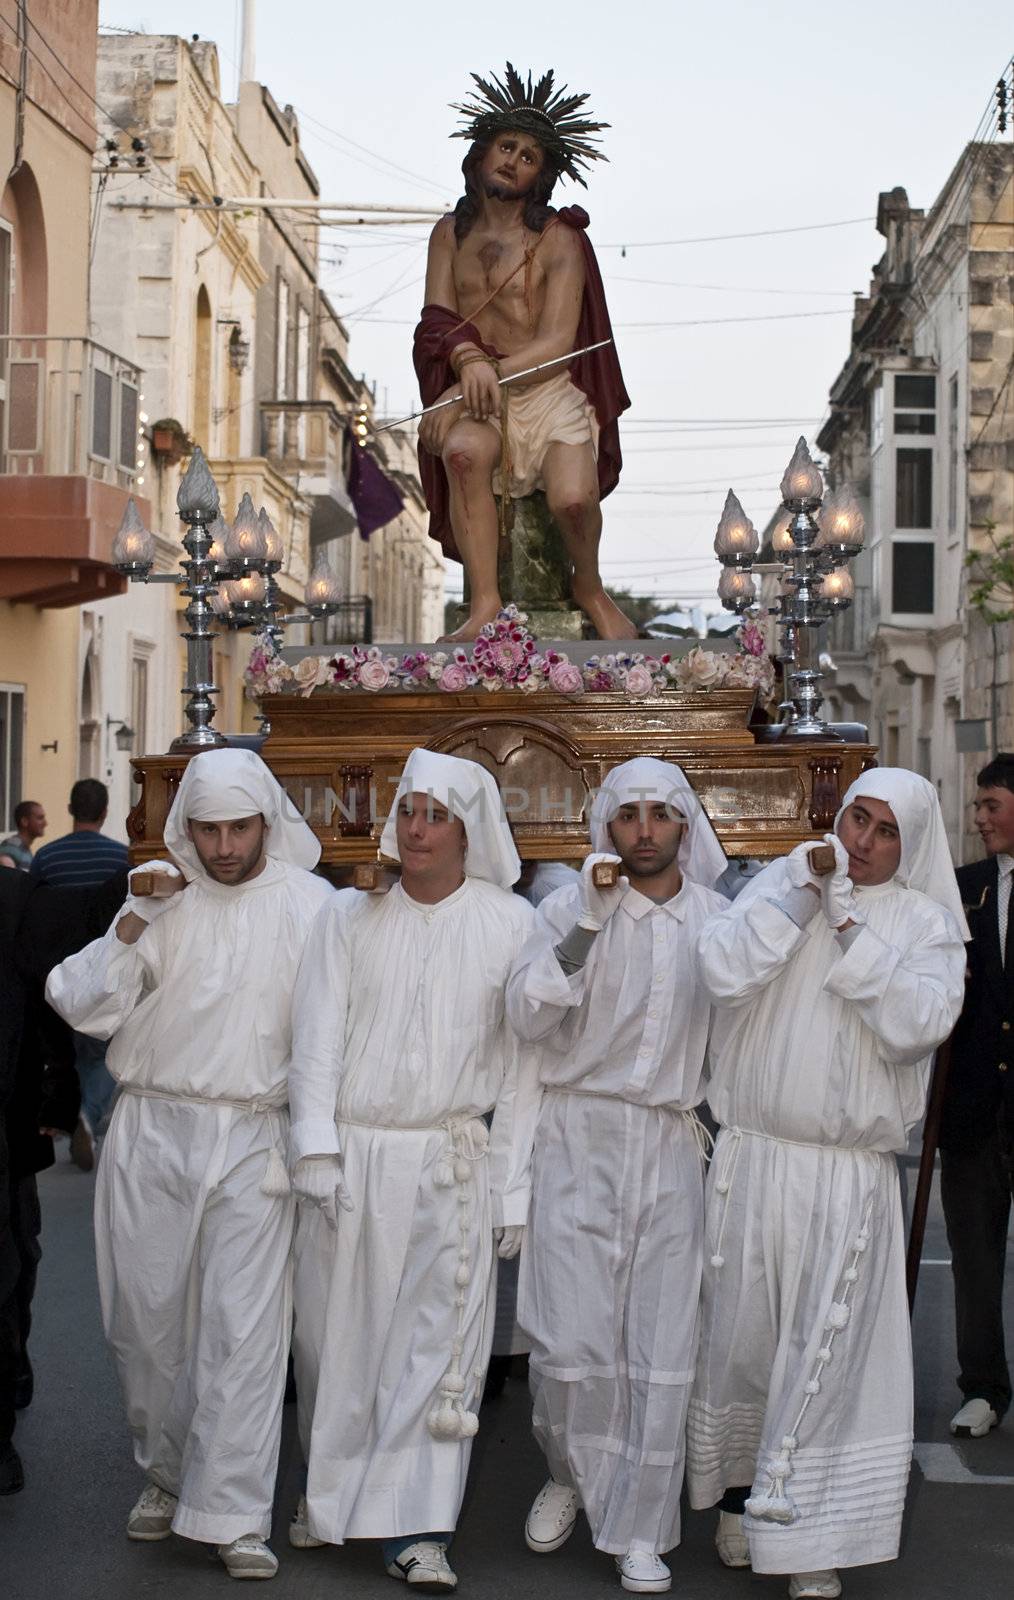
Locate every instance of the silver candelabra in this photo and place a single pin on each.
(814, 539)
(228, 577)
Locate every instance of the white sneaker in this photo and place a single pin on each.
(248, 1557)
(152, 1516)
(300, 1536)
(974, 1420)
(641, 1572)
(814, 1585)
(552, 1517)
(425, 1566)
(730, 1540)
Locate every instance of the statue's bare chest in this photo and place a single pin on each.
(505, 268)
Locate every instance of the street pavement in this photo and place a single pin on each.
(63, 1537)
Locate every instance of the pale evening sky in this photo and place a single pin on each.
(726, 119)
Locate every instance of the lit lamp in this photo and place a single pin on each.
(736, 589)
(133, 546)
(736, 541)
(837, 588)
(245, 594)
(227, 577)
(246, 543)
(218, 533)
(323, 590)
(272, 538)
(781, 535)
(841, 523)
(811, 558)
(802, 485)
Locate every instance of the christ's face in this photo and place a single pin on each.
(230, 852)
(869, 831)
(646, 836)
(431, 843)
(511, 165)
(994, 818)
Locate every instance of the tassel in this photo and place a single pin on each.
(449, 1420)
(837, 1316)
(773, 1506)
(275, 1182)
(443, 1177)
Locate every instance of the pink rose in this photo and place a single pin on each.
(454, 678)
(639, 680)
(374, 674)
(566, 678)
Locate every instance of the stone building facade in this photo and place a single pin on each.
(922, 424)
(69, 406)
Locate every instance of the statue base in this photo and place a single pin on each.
(533, 568)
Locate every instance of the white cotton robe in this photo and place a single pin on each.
(820, 1060)
(194, 1259)
(401, 1048)
(611, 1263)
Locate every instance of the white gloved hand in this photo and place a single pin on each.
(509, 1240)
(797, 864)
(598, 905)
(150, 906)
(318, 1181)
(837, 891)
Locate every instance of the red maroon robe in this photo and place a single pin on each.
(439, 331)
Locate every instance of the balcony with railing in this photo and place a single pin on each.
(305, 439)
(69, 432)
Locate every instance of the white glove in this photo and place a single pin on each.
(509, 1241)
(837, 896)
(150, 906)
(598, 905)
(797, 865)
(318, 1181)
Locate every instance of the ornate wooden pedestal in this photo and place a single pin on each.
(339, 754)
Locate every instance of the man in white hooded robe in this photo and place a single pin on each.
(831, 995)
(401, 1048)
(193, 1215)
(608, 1143)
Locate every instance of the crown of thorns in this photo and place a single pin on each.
(547, 114)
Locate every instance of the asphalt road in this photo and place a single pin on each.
(63, 1537)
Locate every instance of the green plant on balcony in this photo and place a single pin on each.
(991, 575)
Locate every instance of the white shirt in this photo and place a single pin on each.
(399, 1012)
(631, 1024)
(201, 1005)
(633, 1021)
(1005, 866)
(824, 1046)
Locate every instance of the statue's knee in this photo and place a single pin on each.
(574, 511)
(465, 463)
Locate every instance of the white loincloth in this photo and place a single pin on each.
(555, 411)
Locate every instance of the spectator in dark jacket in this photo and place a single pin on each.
(39, 1094)
(977, 1134)
(84, 859)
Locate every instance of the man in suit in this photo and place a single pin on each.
(977, 1135)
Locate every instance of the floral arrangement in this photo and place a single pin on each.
(506, 656)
